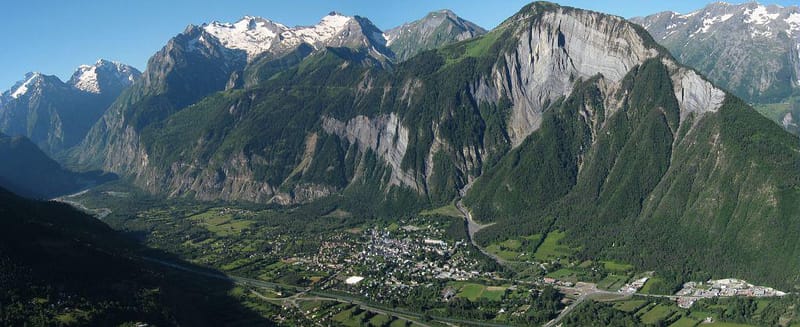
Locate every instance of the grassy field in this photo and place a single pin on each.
(564, 274)
(685, 322)
(380, 320)
(657, 313)
(551, 247)
(449, 210)
(399, 323)
(616, 267)
(699, 315)
(774, 111)
(353, 316)
(473, 292)
(515, 249)
(221, 224)
(647, 286)
(505, 254)
(612, 282)
(356, 317)
(630, 306)
(726, 324)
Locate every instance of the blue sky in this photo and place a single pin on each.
(55, 36)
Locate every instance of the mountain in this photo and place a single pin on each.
(560, 119)
(104, 77)
(751, 49)
(57, 115)
(59, 266)
(211, 58)
(437, 29)
(259, 36)
(27, 171)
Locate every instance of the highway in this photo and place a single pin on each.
(306, 294)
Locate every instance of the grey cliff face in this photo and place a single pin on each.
(554, 48)
(563, 46)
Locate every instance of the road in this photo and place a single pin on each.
(473, 226)
(100, 213)
(584, 291)
(306, 294)
(566, 311)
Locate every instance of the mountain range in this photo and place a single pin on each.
(564, 119)
(751, 49)
(56, 115)
(559, 119)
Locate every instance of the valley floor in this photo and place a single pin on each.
(424, 270)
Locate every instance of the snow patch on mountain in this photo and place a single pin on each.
(88, 78)
(794, 23)
(328, 28)
(254, 35)
(388, 39)
(760, 15)
(23, 87)
(709, 22)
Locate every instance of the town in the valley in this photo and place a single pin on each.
(424, 262)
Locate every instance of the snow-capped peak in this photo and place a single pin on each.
(254, 35)
(327, 28)
(92, 79)
(22, 87)
(86, 79)
(334, 20)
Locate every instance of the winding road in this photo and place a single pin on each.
(473, 226)
(100, 213)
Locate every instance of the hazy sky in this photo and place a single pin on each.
(55, 36)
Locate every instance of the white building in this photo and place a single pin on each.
(353, 280)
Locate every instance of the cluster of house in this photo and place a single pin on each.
(416, 257)
(693, 291)
(382, 263)
(553, 281)
(634, 286)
